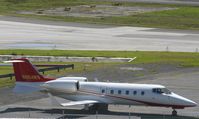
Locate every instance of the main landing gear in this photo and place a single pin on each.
(174, 112)
(97, 107)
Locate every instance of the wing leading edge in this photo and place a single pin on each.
(72, 103)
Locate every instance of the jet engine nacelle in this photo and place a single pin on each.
(84, 79)
(69, 86)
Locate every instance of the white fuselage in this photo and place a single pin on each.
(117, 93)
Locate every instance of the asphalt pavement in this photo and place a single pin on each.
(183, 81)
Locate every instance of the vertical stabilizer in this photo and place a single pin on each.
(25, 72)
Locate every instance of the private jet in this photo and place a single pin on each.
(95, 95)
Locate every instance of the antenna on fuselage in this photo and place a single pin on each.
(96, 79)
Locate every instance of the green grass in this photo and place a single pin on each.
(6, 82)
(13, 5)
(184, 17)
(5, 70)
(79, 67)
(181, 58)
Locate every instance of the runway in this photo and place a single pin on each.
(24, 35)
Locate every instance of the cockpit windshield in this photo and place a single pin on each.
(161, 90)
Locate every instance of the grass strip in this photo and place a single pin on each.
(181, 58)
(184, 17)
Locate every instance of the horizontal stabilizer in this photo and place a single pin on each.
(13, 61)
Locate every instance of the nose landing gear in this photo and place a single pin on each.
(174, 112)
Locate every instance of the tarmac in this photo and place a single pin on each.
(183, 81)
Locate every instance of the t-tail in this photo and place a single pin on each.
(28, 78)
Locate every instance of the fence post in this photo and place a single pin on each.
(167, 48)
(96, 114)
(10, 76)
(29, 113)
(129, 112)
(196, 50)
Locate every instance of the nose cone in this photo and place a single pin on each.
(190, 103)
(184, 101)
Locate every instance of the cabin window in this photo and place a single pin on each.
(154, 90)
(103, 91)
(119, 92)
(161, 90)
(166, 91)
(142, 93)
(157, 90)
(112, 91)
(134, 92)
(127, 92)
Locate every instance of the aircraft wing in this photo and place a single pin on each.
(83, 102)
(72, 103)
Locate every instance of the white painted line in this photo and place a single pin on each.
(132, 59)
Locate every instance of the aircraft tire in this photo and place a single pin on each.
(99, 108)
(174, 113)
